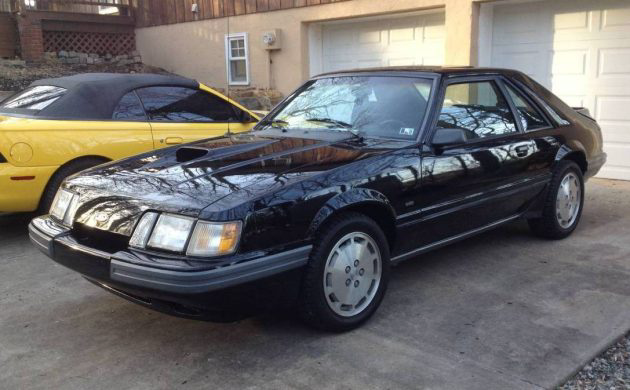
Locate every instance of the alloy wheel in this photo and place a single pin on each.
(568, 200)
(352, 274)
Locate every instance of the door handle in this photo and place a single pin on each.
(172, 140)
(522, 150)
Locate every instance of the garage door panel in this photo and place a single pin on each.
(402, 35)
(579, 49)
(617, 165)
(573, 22)
(613, 108)
(614, 61)
(527, 62)
(569, 62)
(521, 25)
(434, 32)
(616, 19)
(409, 40)
(573, 100)
(370, 36)
(616, 132)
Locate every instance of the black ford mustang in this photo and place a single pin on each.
(353, 172)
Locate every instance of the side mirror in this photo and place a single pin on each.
(244, 117)
(446, 137)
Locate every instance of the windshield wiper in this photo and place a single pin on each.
(335, 122)
(275, 123)
(342, 124)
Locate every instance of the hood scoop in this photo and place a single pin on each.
(189, 153)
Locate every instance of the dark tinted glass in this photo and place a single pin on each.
(129, 108)
(185, 105)
(530, 118)
(477, 107)
(34, 98)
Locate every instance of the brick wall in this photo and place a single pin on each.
(8, 36)
(31, 38)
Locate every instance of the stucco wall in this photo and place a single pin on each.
(196, 49)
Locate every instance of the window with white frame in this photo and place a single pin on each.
(237, 59)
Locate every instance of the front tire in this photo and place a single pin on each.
(347, 274)
(563, 203)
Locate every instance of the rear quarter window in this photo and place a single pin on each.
(129, 108)
(34, 98)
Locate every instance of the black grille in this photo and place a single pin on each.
(99, 239)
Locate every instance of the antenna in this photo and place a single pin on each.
(229, 49)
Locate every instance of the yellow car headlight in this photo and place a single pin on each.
(214, 238)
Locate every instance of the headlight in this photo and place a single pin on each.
(64, 206)
(214, 239)
(143, 230)
(171, 232)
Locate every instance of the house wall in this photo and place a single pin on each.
(196, 49)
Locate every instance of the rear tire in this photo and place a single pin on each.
(346, 277)
(58, 177)
(563, 203)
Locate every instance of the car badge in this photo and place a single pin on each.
(101, 217)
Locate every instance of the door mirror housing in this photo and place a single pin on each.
(447, 137)
(244, 117)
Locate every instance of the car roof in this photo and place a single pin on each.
(444, 70)
(95, 95)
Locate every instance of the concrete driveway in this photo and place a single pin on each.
(502, 310)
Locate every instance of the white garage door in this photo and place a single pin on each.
(409, 40)
(581, 51)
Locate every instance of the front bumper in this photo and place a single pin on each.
(262, 282)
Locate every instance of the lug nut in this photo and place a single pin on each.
(356, 262)
(348, 269)
(361, 271)
(348, 282)
(356, 283)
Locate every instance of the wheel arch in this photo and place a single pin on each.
(575, 154)
(368, 202)
(103, 159)
(81, 158)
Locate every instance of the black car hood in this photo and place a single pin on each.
(189, 178)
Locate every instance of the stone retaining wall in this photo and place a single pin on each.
(73, 57)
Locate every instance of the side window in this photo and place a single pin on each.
(181, 104)
(477, 107)
(129, 108)
(529, 116)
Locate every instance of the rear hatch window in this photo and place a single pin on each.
(33, 98)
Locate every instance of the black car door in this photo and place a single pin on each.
(481, 181)
(535, 124)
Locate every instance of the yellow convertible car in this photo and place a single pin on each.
(57, 127)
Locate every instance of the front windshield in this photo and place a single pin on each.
(372, 106)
